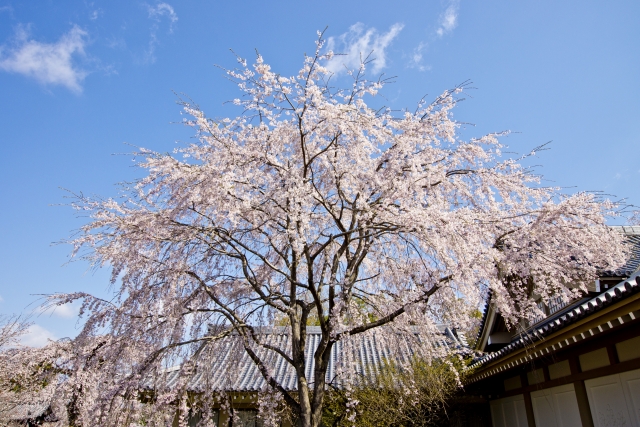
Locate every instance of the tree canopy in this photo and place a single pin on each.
(311, 204)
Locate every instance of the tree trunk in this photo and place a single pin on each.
(311, 408)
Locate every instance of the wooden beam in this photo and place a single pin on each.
(563, 338)
(618, 368)
(531, 421)
(613, 355)
(583, 404)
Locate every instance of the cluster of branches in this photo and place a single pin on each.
(12, 327)
(313, 204)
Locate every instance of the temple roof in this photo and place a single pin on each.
(568, 315)
(229, 367)
(632, 265)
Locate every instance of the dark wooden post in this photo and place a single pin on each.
(583, 404)
(581, 394)
(531, 421)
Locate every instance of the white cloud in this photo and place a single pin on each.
(95, 14)
(357, 44)
(157, 13)
(48, 63)
(36, 336)
(417, 53)
(415, 60)
(66, 311)
(163, 9)
(449, 19)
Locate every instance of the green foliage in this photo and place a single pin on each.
(474, 330)
(34, 377)
(415, 397)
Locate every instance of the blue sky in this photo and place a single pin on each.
(81, 79)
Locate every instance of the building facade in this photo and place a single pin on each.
(578, 366)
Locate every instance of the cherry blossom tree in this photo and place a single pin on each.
(11, 329)
(28, 375)
(311, 204)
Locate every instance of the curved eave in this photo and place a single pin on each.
(616, 296)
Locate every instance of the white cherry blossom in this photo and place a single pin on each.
(311, 204)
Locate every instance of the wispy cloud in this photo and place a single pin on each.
(161, 10)
(449, 18)
(416, 57)
(95, 14)
(37, 336)
(66, 311)
(158, 13)
(356, 44)
(48, 63)
(447, 22)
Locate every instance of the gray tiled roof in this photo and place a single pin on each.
(628, 229)
(229, 368)
(16, 410)
(632, 234)
(566, 317)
